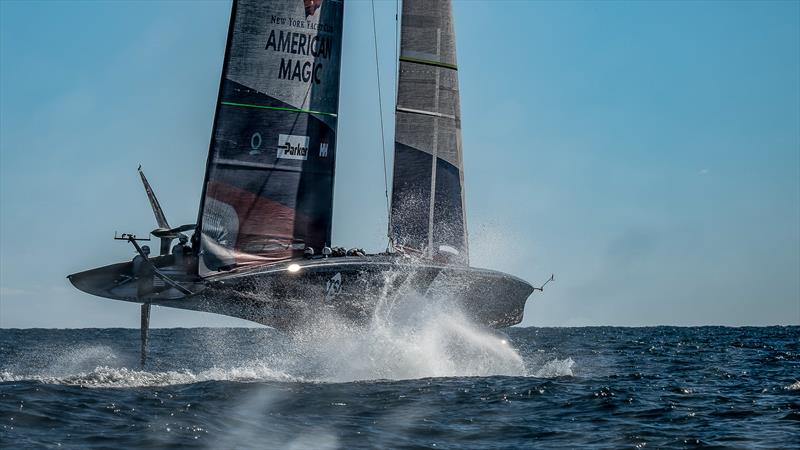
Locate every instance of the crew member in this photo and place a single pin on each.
(143, 271)
(181, 251)
(193, 254)
(195, 243)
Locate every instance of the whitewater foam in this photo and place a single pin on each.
(414, 338)
(408, 342)
(556, 368)
(122, 377)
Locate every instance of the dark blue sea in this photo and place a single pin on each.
(447, 384)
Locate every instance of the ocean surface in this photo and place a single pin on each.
(442, 384)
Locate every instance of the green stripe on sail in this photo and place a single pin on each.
(278, 108)
(428, 62)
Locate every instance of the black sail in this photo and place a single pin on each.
(428, 214)
(268, 190)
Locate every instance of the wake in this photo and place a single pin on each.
(408, 339)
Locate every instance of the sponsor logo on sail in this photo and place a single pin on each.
(293, 147)
(311, 6)
(255, 143)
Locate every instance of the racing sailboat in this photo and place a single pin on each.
(260, 249)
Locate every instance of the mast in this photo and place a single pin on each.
(268, 188)
(428, 214)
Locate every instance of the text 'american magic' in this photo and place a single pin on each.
(300, 44)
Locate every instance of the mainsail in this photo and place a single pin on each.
(428, 213)
(268, 190)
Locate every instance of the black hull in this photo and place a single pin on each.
(289, 294)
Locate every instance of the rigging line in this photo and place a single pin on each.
(396, 46)
(380, 111)
(396, 95)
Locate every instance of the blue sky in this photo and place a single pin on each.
(647, 153)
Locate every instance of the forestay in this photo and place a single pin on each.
(268, 190)
(428, 213)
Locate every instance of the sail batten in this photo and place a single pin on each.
(277, 108)
(428, 62)
(428, 213)
(268, 190)
(426, 113)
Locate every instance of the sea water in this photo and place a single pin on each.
(437, 381)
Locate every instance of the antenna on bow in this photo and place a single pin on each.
(541, 288)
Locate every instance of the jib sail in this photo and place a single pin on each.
(268, 190)
(428, 213)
